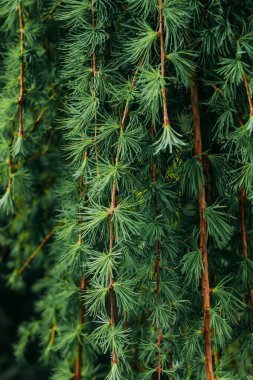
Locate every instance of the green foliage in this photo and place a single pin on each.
(192, 177)
(126, 187)
(192, 267)
(169, 138)
(218, 226)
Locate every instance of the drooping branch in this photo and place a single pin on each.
(53, 332)
(113, 207)
(203, 234)
(78, 369)
(46, 238)
(52, 10)
(209, 199)
(94, 73)
(157, 264)
(10, 162)
(246, 84)
(166, 120)
(21, 75)
(37, 121)
(243, 202)
(245, 78)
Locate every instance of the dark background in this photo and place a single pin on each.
(16, 307)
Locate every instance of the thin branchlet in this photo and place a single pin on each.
(21, 75)
(202, 235)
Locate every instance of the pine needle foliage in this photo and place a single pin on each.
(126, 185)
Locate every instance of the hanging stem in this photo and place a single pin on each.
(166, 120)
(78, 369)
(80, 345)
(208, 189)
(243, 201)
(51, 12)
(246, 84)
(243, 222)
(53, 332)
(113, 207)
(94, 72)
(157, 263)
(111, 289)
(46, 238)
(10, 163)
(37, 121)
(245, 78)
(159, 330)
(203, 235)
(21, 75)
(83, 281)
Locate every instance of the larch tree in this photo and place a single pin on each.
(126, 185)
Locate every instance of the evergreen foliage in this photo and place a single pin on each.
(126, 185)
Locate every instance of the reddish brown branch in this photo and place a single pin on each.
(78, 369)
(157, 264)
(94, 73)
(117, 160)
(94, 55)
(21, 75)
(111, 299)
(166, 120)
(80, 345)
(10, 164)
(243, 201)
(113, 207)
(243, 221)
(246, 84)
(203, 235)
(111, 288)
(53, 332)
(245, 79)
(208, 188)
(135, 357)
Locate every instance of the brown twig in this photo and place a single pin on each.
(157, 262)
(10, 163)
(82, 317)
(51, 12)
(159, 330)
(37, 121)
(78, 369)
(53, 332)
(246, 84)
(113, 207)
(94, 73)
(83, 282)
(243, 202)
(245, 78)
(203, 235)
(21, 75)
(166, 120)
(51, 233)
(209, 198)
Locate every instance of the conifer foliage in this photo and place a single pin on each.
(126, 185)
